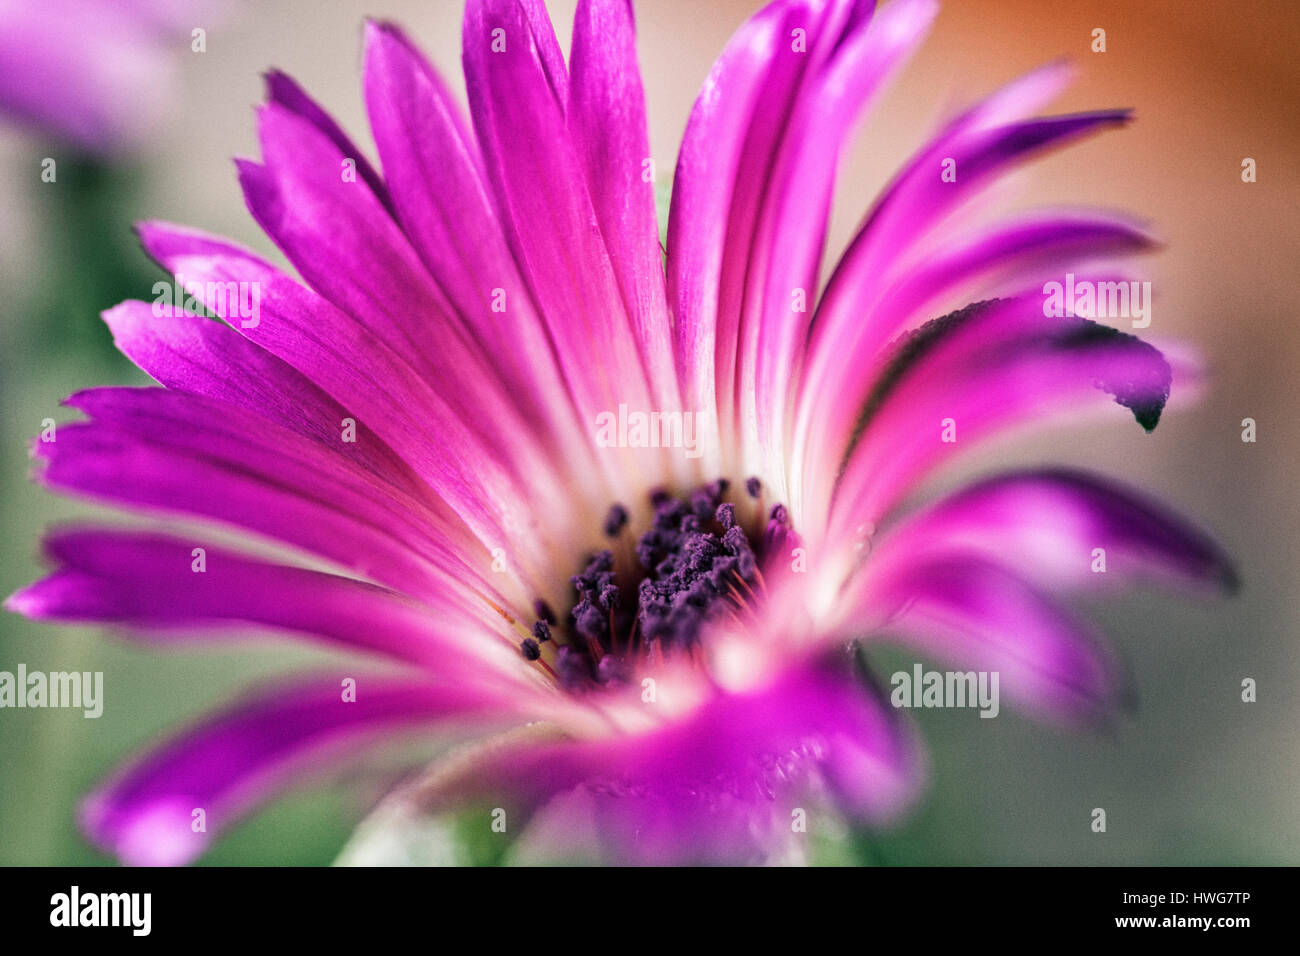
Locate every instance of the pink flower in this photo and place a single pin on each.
(94, 72)
(443, 411)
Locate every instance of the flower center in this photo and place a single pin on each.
(649, 597)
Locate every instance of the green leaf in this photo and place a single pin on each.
(663, 200)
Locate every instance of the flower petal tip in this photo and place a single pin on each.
(22, 602)
(1229, 579)
(160, 834)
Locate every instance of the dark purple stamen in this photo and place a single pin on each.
(543, 611)
(753, 486)
(531, 651)
(574, 668)
(597, 598)
(777, 538)
(703, 504)
(615, 521)
(689, 566)
(693, 559)
(609, 669)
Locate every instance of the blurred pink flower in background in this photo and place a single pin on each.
(96, 73)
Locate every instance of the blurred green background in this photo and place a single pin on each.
(1194, 776)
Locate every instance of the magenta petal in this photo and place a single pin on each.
(720, 784)
(541, 190)
(547, 46)
(362, 365)
(348, 248)
(608, 123)
(281, 88)
(164, 450)
(225, 766)
(432, 161)
(855, 317)
(1021, 253)
(149, 582)
(919, 200)
(1048, 242)
(1046, 527)
(491, 481)
(786, 72)
(985, 369)
(751, 198)
(711, 154)
(194, 354)
(592, 825)
(444, 205)
(791, 232)
(975, 615)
